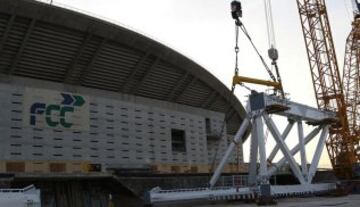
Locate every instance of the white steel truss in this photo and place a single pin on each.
(259, 108)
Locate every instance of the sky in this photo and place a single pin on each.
(203, 30)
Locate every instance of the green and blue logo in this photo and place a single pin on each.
(56, 114)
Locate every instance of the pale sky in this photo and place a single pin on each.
(203, 30)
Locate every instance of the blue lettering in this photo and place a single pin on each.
(36, 108)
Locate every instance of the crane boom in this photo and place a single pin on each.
(351, 78)
(327, 82)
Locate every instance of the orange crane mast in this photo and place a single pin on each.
(328, 85)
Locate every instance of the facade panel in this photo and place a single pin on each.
(105, 128)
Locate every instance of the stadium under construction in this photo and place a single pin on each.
(95, 114)
(92, 110)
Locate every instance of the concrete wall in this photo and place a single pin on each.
(124, 131)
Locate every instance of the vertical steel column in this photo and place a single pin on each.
(302, 149)
(252, 180)
(259, 126)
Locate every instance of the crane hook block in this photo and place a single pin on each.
(273, 54)
(236, 10)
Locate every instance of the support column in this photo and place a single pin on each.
(295, 150)
(253, 156)
(318, 152)
(259, 126)
(302, 149)
(285, 150)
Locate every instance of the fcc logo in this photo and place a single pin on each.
(57, 114)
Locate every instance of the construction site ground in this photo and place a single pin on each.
(344, 201)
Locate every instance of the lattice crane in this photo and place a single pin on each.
(351, 78)
(332, 92)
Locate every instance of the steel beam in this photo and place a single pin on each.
(130, 78)
(307, 113)
(163, 197)
(186, 87)
(209, 99)
(259, 127)
(6, 33)
(284, 136)
(254, 149)
(256, 179)
(295, 150)
(91, 63)
(19, 53)
(145, 76)
(233, 112)
(302, 149)
(240, 133)
(298, 190)
(211, 104)
(285, 150)
(79, 53)
(171, 95)
(158, 196)
(317, 154)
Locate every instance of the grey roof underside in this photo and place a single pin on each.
(55, 44)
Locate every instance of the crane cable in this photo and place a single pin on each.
(236, 72)
(240, 25)
(271, 40)
(272, 52)
(269, 23)
(243, 29)
(237, 50)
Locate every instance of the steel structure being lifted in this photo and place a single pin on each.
(337, 115)
(259, 108)
(331, 117)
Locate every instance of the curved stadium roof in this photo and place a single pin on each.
(46, 42)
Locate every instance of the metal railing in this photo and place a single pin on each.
(233, 181)
(238, 181)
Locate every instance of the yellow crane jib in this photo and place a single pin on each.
(242, 79)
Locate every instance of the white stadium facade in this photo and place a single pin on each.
(83, 100)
